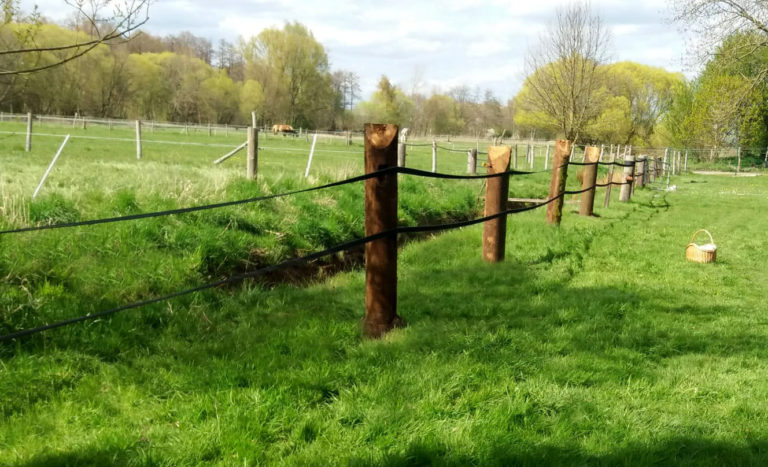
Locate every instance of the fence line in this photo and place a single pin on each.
(381, 183)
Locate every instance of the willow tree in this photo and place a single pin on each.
(564, 76)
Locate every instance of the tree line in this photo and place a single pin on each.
(284, 74)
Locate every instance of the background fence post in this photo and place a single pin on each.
(380, 216)
(685, 167)
(641, 172)
(496, 198)
(738, 167)
(28, 146)
(253, 119)
(514, 158)
(592, 157)
(434, 156)
(626, 190)
(401, 154)
(546, 159)
(609, 188)
(252, 164)
(557, 182)
(138, 140)
(472, 161)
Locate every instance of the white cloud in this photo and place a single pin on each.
(452, 42)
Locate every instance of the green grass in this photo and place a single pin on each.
(594, 343)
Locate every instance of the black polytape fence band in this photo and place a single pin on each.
(207, 207)
(304, 259)
(197, 208)
(584, 164)
(231, 280)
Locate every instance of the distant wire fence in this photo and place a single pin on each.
(525, 153)
(381, 221)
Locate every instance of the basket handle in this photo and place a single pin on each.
(712, 240)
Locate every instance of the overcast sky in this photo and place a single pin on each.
(430, 45)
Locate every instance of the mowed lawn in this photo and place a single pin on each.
(594, 343)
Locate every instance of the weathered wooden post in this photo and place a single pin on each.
(738, 167)
(349, 138)
(546, 159)
(472, 161)
(589, 180)
(381, 216)
(646, 171)
(563, 149)
(496, 198)
(253, 119)
(514, 158)
(609, 188)
(669, 168)
(685, 167)
(626, 189)
(28, 146)
(252, 158)
(401, 154)
(434, 156)
(641, 172)
(138, 140)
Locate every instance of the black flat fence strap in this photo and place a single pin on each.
(206, 207)
(211, 285)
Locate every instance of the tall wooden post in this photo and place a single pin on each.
(642, 161)
(609, 188)
(380, 216)
(546, 159)
(685, 167)
(472, 161)
(563, 149)
(496, 198)
(28, 146)
(434, 156)
(252, 159)
(138, 140)
(626, 190)
(592, 157)
(401, 154)
(738, 167)
(253, 119)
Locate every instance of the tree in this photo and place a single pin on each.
(106, 21)
(563, 71)
(388, 104)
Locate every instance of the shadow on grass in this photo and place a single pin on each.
(677, 451)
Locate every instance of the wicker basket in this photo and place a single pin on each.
(701, 253)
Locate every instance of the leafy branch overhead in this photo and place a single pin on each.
(98, 21)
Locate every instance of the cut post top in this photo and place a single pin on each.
(380, 135)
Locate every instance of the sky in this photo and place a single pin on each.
(421, 46)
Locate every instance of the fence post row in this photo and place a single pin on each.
(589, 180)
(496, 200)
(252, 159)
(628, 180)
(472, 161)
(380, 216)
(563, 150)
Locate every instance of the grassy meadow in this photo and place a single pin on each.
(594, 343)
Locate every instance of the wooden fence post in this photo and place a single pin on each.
(589, 180)
(253, 119)
(560, 162)
(28, 146)
(609, 188)
(685, 167)
(401, 154)
(496, 199)
(514, 158)
(434, 156)
(641, 171)
(138, 140)
(738, 167)
(380, 216)
(472, 161)
(546, 159)
(252, 159)
(629, 170)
